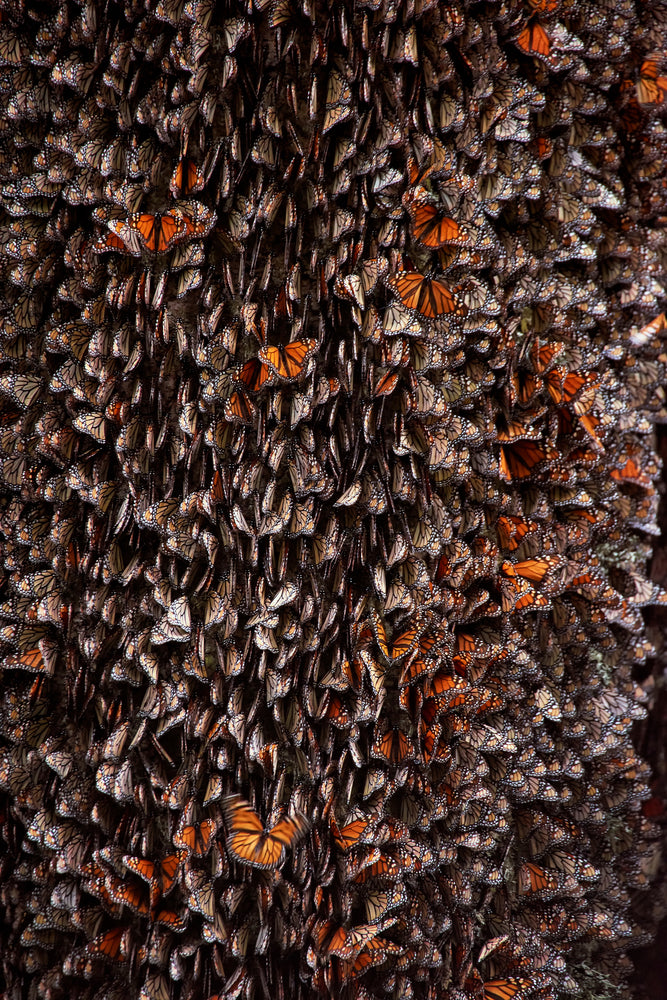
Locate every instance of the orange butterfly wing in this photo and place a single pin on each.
(157, 232)
(287, 362)
(651, 87)
(288, 830)
(253, 374)
(427, 296)
(186, 178)
(393, 746)
(404, 643)
(146, 225)
(504, 989)
(250, 843)
(108, 944)
(386, 384)
(109, 241)
(350, 834)
(529, 598)
(380, 634)
(433, 229)
(196, 839)
(544, 355)
(343, 942)
(535, 569)
(167, 230)
(534, 878)
(239, 408)
(128, 895)
(141, 867)
(168, 918)
(534, 40)
(329, 938)
(512, 530)
(169, 868)
(520, 461)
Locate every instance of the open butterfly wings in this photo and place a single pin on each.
(428, 297)
(158, 233)
(250, 843)
(287, 363)
(433, 229)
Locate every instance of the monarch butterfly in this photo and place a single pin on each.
(196, 839)
(402, 644)
(533, 569)
(542, 357)
(160, 875)
(448, 691)
(253, 374)
(289, 361)
(573, 866)
(534, 40)
(527, 598)
(651, 87)
(342, 941)
(238, 408)
(93, 424)
(186, 179)
(378, 902)
(127, 894)
(371, 271)
(250, 843)
(564, 386)
(520, 461)
(351, 834)
(202, 897)
(426, 296)
(23, 389)
(512, 530)
(433, 229)
(505, 989)
(198, 221)
(417, 667)
(112, 944)
(176, 922)
(399, 320)
(631, 473)
(157, 233)
(392, 746)
(533, 878)
(339, 96)
(156, 986)
(374, 953)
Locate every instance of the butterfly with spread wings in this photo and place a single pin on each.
(154, 233)
(287, 362)
(250, 843)
(428, 297)
(432, 229)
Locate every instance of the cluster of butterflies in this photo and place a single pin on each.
(331, 349)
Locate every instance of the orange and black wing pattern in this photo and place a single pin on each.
(433, 229)
(160, 232)
(250, 843)
(287, 363)
(427, 297)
